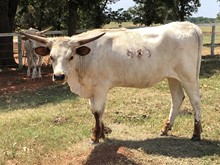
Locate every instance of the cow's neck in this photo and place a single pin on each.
(76, 78)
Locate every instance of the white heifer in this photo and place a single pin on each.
(136, 58)
(34, 61)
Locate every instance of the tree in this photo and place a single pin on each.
(156, 11)
(42, 14)
(185, 8)
(96, 13)
(120, 16)
(63, 14)
(7, 14)
(148, 11)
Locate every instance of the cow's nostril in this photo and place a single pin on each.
(59, 77)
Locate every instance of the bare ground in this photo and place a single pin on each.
(15, 81)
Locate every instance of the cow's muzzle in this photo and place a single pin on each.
(59, 77)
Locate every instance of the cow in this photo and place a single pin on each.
(96, 61)
(34, 61)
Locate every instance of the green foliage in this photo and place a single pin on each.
(201, 20)
(120, 16)
(148, 12)
(87, 14)
(41, 14)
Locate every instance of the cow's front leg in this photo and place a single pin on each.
(97, 106)
(34, 73)
(98, 130)
(29, 71)
(39, 66)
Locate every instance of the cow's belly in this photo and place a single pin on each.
(138, 81)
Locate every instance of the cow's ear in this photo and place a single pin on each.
(42, 51)
(82, 50)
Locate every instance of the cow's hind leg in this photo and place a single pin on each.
(177, 96)
(192, 90)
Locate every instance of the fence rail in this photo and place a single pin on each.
(17, 39)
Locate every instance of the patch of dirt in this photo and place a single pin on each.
(15, 81)
(100, 154)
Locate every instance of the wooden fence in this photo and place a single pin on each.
(19, 50)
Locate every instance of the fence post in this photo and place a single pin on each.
(213, 39)
(19, 53)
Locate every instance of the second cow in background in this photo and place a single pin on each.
(34, 61)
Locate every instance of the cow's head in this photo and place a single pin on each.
(62, 51)
(31, 44)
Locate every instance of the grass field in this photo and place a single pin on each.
(53, 126)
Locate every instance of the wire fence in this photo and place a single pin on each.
(211, 42)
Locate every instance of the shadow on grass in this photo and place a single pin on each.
(32, 99)
(161, 146)
(209, 66)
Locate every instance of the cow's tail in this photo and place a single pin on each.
(199, 35)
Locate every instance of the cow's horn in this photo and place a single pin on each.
(35, 37)
(84, 41)
(44, 31)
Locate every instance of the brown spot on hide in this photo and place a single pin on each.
(139, 54)
(166, 128)
(197, 128)
(130, 53)
(98, 131)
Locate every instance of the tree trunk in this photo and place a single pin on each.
(98, 17)
(182, 11)
(7, 14)
(72, 20)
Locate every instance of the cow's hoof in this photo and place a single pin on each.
(196, 138)
(163, 133)
(92, 142)
(107, 130)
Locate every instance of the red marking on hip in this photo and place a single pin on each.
(130, 53)
(139, 54)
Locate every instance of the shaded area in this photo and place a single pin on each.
(108, 151)
(35, 98)
(105, 154)
(12, 80)
(209, 66)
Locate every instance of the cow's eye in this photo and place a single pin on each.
(71, 58)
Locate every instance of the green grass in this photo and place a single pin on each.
(39, 127)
